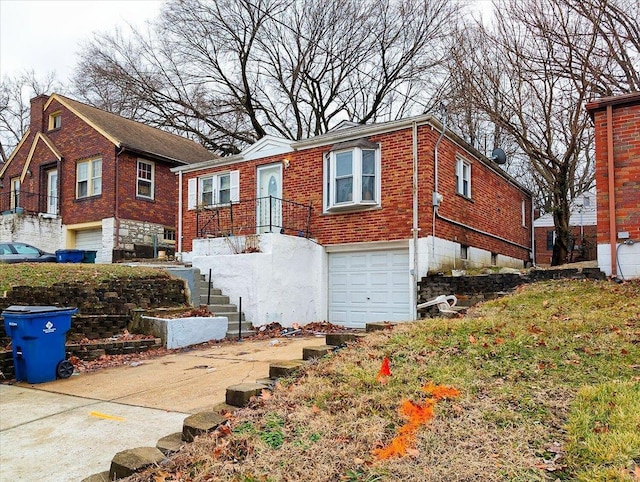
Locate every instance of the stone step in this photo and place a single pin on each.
(99, 477)
(379, 325)
(200, 423)
(284, 368)
(311, 352)
(128, 462)
(217, 299)
(227, 308)
(231, 315)
(239, 395)
(339, 339)
(170, 444)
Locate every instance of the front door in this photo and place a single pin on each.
(52, 191)
(269, 213)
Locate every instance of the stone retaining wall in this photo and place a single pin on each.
(104, 309)
(481, 287)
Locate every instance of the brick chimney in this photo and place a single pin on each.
(37, 113)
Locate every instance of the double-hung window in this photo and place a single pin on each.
(463, 178)
(89, 178)
(352, 175)
(146, 173)
(214, 189)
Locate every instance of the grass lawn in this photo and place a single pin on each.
(549, 389)
(46, 274)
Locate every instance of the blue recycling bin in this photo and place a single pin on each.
(38, 336)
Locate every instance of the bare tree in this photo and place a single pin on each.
(228, 72)
(15, 93)
(510, 73)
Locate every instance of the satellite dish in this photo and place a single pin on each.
(498, 156)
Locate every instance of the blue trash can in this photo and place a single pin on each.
(69, 255)
(38, 336)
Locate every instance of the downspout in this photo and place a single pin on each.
(436, 195)
(533, 237)
(116, 214)
(179, 212)
(415, 228)
(612, 198)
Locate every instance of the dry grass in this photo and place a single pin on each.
(519, 363)
(46, 274)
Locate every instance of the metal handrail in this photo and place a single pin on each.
(260, 215)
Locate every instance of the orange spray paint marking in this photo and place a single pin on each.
(417, 415)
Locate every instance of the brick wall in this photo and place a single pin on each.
(626, 154)
(582, 251)
(495, 207)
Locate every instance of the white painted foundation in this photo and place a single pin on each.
(286, 282)
(42, 231)
(181, 332)
(628, 260)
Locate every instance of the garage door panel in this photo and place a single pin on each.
(369, 286)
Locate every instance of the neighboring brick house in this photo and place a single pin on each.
(88, 179)
(365, 195)
(582, 225)
(617, 134)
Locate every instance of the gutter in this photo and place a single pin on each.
(179, 250)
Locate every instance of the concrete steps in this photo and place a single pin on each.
(218, 303)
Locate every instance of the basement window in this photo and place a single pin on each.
(464, 251)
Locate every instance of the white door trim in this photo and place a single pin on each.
(276, 210)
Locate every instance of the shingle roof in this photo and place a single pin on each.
(139, 137)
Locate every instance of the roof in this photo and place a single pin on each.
(137, 137)
(614, 100)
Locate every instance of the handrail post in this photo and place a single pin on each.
(270, 214)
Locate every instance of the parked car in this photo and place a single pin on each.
(22, 252)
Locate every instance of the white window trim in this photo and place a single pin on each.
(329, 181)
(152, 180)
(524, 213)
(460, 164)
(194, 189)
(91, 177)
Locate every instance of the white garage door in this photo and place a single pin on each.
(89, 240)
(369, 286)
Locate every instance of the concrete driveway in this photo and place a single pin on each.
(69, 429)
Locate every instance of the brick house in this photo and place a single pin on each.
(342, 226)
(582, 225)
(88, 179)
(617, 163)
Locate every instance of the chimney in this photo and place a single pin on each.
(37, 113)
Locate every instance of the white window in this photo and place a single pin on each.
(214, 189)
(89, 178)
(146, 172)
(524, 213)
(463, 178)
(15, 192)
(352, 176)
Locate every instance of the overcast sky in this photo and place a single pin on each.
(45, 35)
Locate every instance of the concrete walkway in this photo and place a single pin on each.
(69, 429)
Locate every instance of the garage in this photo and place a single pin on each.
(89, 240)
(368, 286)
